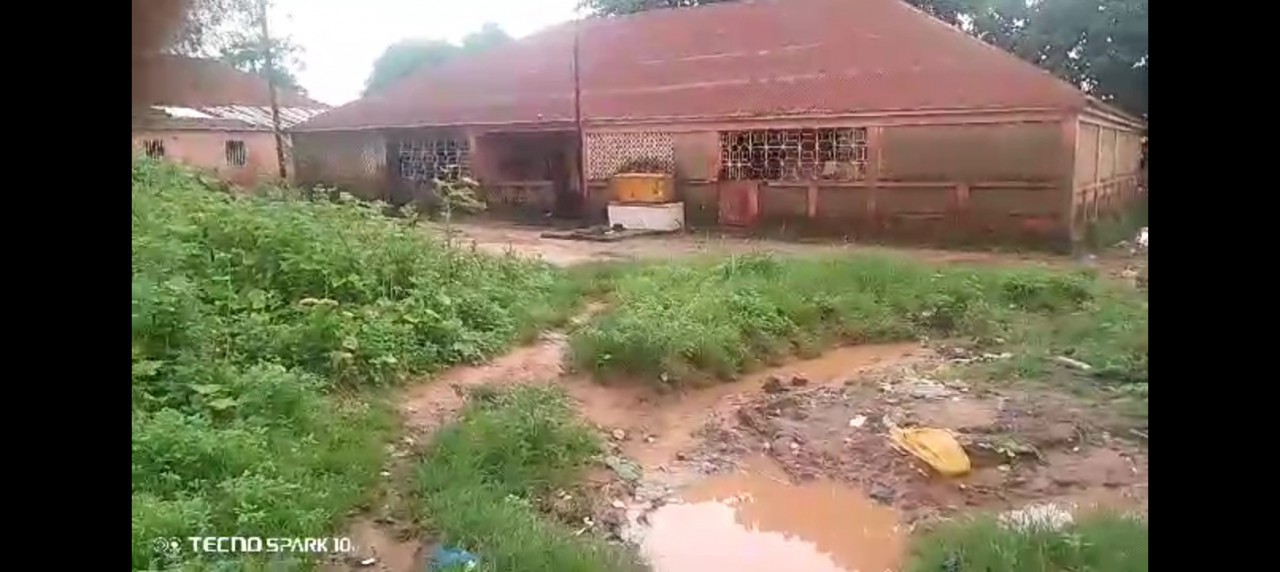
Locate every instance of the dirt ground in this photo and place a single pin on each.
(501, 237)
(1026, 445)
(821, 419)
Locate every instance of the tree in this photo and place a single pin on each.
(211, 25)
(488, 36)
(229, 31)
(245, 53)
(404, 57)
(1098, 45)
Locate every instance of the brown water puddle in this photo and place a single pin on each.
(757, 520)
(661, 425)
(658, 426)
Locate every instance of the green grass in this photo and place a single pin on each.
(693, 320)
(483, 476)
(262, 328)
(1100, 543)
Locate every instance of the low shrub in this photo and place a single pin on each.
(258, 325)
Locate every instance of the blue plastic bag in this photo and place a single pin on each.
(452, 559)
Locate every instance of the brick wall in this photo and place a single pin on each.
(208, 150)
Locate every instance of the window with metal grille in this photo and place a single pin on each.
(236, 153)
(154, 148)
(838, 154)
(428, 159)
(608, 154)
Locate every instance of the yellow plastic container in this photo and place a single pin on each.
(650, 188)
(937, 447)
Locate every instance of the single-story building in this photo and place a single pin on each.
(208, 114)
(854, 117)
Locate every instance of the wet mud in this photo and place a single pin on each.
(790, 468)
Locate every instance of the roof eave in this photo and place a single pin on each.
(535, 125)
(697, 119)
(1107, 112)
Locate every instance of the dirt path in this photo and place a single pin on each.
(653, 429)
(499, 237)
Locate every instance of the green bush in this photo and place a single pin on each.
(1099, 543)
(255, 318)
(683, 321)
(481, 476)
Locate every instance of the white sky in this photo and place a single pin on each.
(341, 38)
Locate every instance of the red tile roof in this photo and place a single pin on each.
(194, 82)
(763, 58)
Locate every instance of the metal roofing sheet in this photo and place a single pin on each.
(763, 58)
(243, 116)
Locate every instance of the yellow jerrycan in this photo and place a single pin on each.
(937, 447)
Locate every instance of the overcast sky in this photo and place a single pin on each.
(341, 38)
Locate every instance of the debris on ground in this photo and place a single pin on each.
(1073, 363)
(1022, 444)
(1037, 518)
(627, 469)
(774, 385)
(1136, 245)
(602, 233)
(451, 559)
(619, 435)
(924, 389)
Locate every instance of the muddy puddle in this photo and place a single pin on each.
(756, 519)
(657, 427)
(776, 471)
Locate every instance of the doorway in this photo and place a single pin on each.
(542, 160)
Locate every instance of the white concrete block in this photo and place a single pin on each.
(664, 216)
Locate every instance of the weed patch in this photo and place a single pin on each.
(1111, 229)
(686, 321)
(482, 477)
(260, 323)
(1101, 543)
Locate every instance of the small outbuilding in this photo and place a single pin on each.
(207, 114)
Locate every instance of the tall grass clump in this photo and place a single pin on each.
(258, 325)
(686, 321)
(482, 477)
(1099, 543)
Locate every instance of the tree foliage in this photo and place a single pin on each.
(404, 57)
(246, 54)
(1099, 45)
(230, 30)
(488, 36)
(211, 25)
